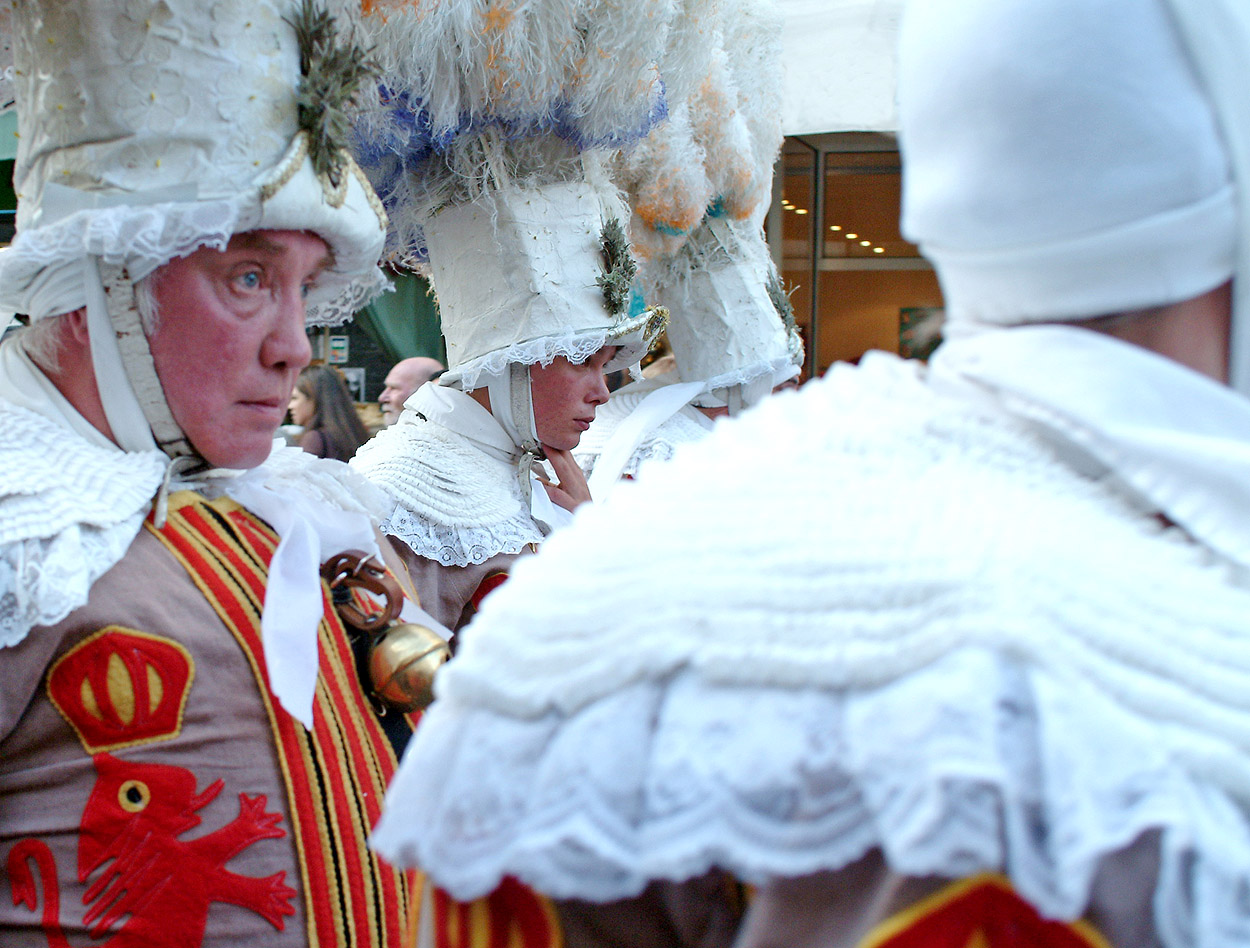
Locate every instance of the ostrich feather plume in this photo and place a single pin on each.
(480, 95)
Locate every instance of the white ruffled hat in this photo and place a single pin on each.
(1064, 160)
(153, 127)
(150, 128)
(732, 328)
(526, 274)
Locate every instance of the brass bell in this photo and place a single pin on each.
(402, 664)
(403, 656)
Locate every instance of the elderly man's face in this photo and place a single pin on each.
(405, 378)
(230, 341)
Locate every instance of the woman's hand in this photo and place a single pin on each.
(569, 490)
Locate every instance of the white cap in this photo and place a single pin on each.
(1061, 159)
(699, 187)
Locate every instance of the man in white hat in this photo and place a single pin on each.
(187, 756)
(967, 659)
(734, 342)
(527, 374)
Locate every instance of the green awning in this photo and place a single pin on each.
(405, 323)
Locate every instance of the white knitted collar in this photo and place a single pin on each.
(71, 501)
(1178, 438)
(926, 696)
(450, 469)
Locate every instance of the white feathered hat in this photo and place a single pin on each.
(150, 128)
(731, 327)
(525, 274)
(486, 150)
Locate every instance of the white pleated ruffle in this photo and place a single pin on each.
(68, 511)
(450, 501)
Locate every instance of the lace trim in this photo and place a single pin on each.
(576, 346)
(140, 237)
(448, 500)
(439, 475)
(68, 511)
(144, 238)
(42, 580)
(975, 764)
(778, 369)
(864, 687)
(349, 298)
(461, 545)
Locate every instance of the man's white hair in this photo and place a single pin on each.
(41, 340)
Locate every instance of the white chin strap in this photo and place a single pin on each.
(130, 391)
(512, 404)
(121, 406)
(513, 407)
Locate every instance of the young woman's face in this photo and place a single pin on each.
(302, 408)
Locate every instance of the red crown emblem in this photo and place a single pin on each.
(120, 687)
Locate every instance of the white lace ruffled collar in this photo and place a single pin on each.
(919, 678)
(1178, 438)
(71, 501)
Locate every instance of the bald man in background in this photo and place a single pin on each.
(405, 378)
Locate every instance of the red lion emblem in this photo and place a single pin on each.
(130, 827)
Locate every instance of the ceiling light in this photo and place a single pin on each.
(835, 226)
(800, 210)
(878, 250)
(850, 236)
(865, 243)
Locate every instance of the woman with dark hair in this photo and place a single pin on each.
(322, 405)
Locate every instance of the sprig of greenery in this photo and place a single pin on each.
(781, 302)
(619, 268)
(333, 69)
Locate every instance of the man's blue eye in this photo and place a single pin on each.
(251, 279)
